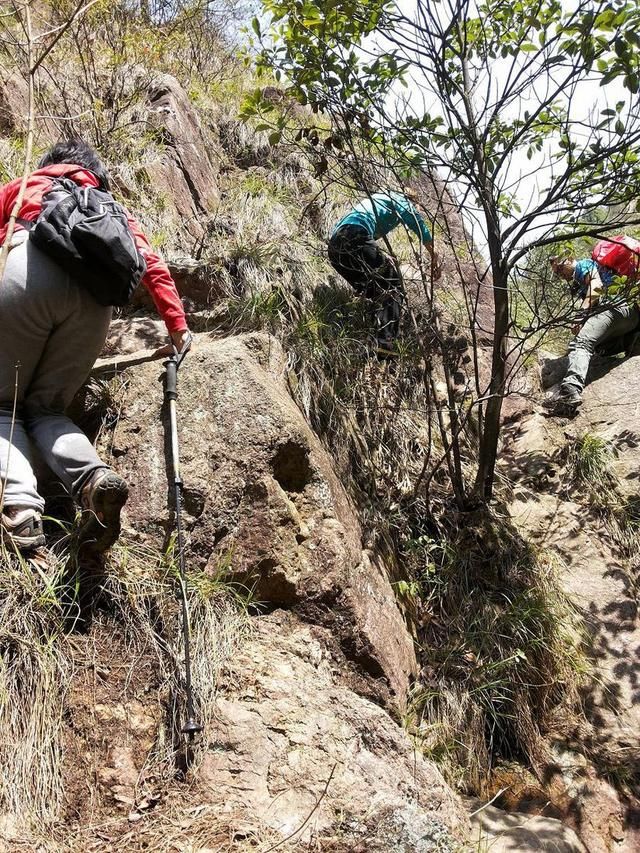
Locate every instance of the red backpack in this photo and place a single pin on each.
(620, 254)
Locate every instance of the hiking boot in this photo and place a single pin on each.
(567, 403)
(570, 396)
(102, 499)
(22, 528)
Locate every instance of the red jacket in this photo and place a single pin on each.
(157, 279)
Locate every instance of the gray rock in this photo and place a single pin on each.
(516, 832)
(185, 170)
(260, 492)
(293, 740)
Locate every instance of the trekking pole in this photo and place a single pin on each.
(191, 726)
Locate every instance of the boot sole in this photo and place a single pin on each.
(108, 498)
(24, 543)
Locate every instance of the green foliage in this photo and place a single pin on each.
(589, 460)
(499, 82)
(542, 307)
(319, 35)
(255, 184)
(315, 45)
(261, 310)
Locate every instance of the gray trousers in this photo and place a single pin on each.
(607, 324)
(53, 331)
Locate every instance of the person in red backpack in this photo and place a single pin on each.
(602, 319)
(51, 332)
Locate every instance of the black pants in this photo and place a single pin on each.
(359, 259)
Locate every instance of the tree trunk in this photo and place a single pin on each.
(488, 448)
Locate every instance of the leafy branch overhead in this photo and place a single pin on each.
(468, 88)
(527, 111)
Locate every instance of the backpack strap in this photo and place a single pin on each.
(66, 183)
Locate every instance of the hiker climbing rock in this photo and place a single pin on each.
(53, 325)
(355, 254)
(606, 316)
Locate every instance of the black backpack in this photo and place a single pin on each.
(86, 231)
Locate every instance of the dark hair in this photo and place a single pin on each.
(80, 153)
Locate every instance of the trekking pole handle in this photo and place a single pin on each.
(171, 378)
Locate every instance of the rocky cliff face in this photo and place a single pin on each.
(261, 494)
(304, 658)
(302, 737)
(575, 492)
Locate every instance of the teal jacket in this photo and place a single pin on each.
(383, 212)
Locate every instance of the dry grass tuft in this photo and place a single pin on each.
(589, 459)
(34, 672)
(503, 653)
(176, 829)
(135, 600)
(142, 591)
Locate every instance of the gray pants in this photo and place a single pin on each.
(54, 330)
(611, 323)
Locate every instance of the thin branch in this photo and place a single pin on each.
(308, 817)
(80, 10)
(4, 249)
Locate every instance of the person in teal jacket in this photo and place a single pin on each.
(354, 254)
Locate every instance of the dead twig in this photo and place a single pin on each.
(309, 816)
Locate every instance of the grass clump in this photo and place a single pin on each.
(589, 460)
(205, 827)
(501, 651)
(142, 590)
(59, 617)
(34, 673)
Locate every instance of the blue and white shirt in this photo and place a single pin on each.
(585, 268)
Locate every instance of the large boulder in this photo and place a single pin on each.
(299, 744)
(261, 501)
(592, 533)
(610, 410)
(292, 754)
(133, 334)
(591, 566)
(517, 832)
(14, 109)
(299, 751)
(14, 101)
